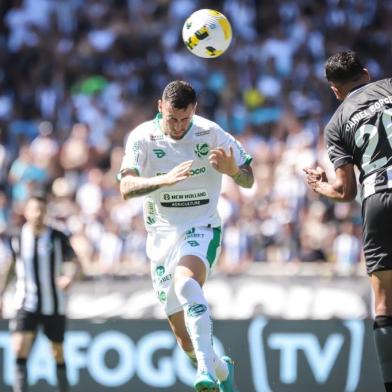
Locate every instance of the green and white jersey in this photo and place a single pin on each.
(194, 200)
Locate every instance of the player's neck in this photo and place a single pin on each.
(37, 230)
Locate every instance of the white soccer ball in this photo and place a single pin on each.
(207, 33)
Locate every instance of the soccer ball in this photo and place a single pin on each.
(207, 33)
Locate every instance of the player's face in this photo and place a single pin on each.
(35, 211)
(175, 122)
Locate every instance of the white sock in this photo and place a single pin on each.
(198, 322)
(221, 368)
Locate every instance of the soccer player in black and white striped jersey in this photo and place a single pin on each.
(39, 252)
(360, 134)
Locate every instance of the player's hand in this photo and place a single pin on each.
(178, 173)
(315, 176)
(223, 162)
(64, 282)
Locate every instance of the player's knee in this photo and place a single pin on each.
(58, 352)
(21, 345)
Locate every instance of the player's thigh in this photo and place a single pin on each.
(382, 287)
(193, 267)
(199, 252)
(54, 328)
(377, 228)
(23, 331)
(177, 324)
(21, 343)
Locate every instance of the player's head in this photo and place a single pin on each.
(35, 209)
(177, 107)
(344, 71)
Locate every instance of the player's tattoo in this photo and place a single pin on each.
(244, 176)
(142, 191)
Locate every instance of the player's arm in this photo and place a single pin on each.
(6, 277)
(71, 269)
(244, 176)
(344, 188)
(225, 163)
(131, 185)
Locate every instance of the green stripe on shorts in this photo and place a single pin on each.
(214, 245)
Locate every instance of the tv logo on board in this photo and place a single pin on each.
(298, 357)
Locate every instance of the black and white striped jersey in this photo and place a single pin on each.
(38, 263)
(360, 132)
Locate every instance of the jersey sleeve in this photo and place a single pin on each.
(226, 141)
(66, 247)
(336, 147)
(135, 153)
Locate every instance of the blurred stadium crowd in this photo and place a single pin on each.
(77, 75)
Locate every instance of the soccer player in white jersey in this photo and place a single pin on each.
(176, 161)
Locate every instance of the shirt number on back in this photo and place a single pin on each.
(367, 129)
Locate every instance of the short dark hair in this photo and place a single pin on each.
(180, 94)
(343, 67)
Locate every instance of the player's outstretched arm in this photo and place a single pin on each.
(344, 188)
(132, 185)
(224, 163)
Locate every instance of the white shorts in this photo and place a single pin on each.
(165, 249)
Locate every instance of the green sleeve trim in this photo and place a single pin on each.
(248, 160)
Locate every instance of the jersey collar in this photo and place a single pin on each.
(355, 89)
(157, 119)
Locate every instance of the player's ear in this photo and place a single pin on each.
(366, 75)
(160, 105)
(337, 93)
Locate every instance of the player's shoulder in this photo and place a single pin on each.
(143, 131)
(202, 123)
(386, 83)
(335, 122)
(203, 127)
(59, 230)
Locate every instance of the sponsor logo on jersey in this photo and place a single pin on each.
(150, 220)
(193, 243)
(166, 278)
(136, 150)
(162, 296)
(156, 138)
(202, 150)
(160, 270)
(191, 233)
(190, 198)
(243, 154)
(202, 133)
(150, 212)
(159, 152)
(193, 172)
